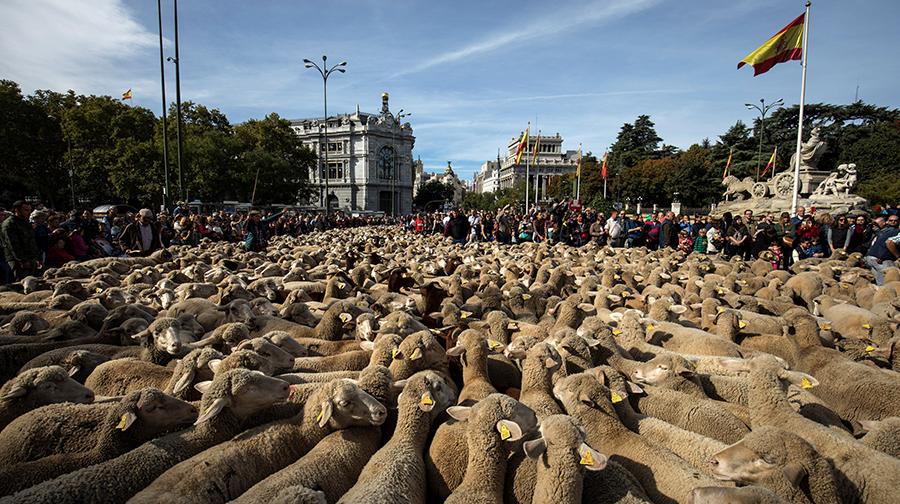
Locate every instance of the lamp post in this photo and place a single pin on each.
(165, 132)
(763, 110)
(324, 71)
(397, 119)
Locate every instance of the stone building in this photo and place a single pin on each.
(369, 158)
(449, 177)
(504, 172)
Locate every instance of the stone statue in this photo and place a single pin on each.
(839, 182)
(811, 151)
(737, 188)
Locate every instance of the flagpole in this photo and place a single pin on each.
(527, 172)
(604, 174)
(796, 193)
(578, 182)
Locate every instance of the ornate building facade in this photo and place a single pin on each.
(551, 161)
(449, 177)
(370, 164)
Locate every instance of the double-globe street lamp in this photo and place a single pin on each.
(324, 71)
(763, 110)
(398, 124)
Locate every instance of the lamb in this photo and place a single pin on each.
(472, 350)
(396, 473)
(224, 472)
(493, 426)
(138, 417)
(782, 462)
(562, 452)
(27, 323)
(38, 387)
(337, 319)
(665, 477)
(228, 401)
(317, 468)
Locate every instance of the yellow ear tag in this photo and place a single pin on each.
(417, 354)
(867, 326)
(345, 317)
(341, 285)
(626, 294)
(805, 383)
(742, 324)
(319, 416)
(493, 344)
(615, 397)
(617, 277)
(720, 291)
(426, 400)
(586, 458)
(650, 327)
(394, 353)
(826, 327)
(464, 314)
(870, 348)
(617, 331)
(504, 432)
(122, 422)
(526, 297)
(720, 309)
(435, 331)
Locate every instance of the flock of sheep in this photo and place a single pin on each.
(373, 366)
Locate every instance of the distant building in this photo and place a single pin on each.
(551, 161)
(363, 152)
(448, 177)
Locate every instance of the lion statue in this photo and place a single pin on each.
(737, 188)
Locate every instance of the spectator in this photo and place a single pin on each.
(614, 229)
(701, 242)
(457, 227)
(141, 237)
(879, 257)
(839, 234)
(685, 244)
(19, 245)
(255, 237)
(57, 255)
(738, 239)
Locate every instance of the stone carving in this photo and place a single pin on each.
(810, 152)
(838, 183)
(734, 187)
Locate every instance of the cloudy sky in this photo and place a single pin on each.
(472, 73)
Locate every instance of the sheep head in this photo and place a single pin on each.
(342, 403)
(45, 385)
(497, 420)
(563, 441)
(242, 391)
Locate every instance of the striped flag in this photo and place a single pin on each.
(127, 94)
(727, 164)
(537, 147)
(771, 163)
(603, 170)
(523, 143)
(786, 45)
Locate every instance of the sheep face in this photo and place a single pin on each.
(348, 405)
(740, 464)
(28, 323)
(269, 351)
(285, 342)
(503, 415)
(250, 392)
(263, 306)
(660, 369)
(429, 390)
(159, 412)
(237, 311)
(561, 438)
(47, 385)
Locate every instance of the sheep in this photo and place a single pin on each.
(338, 318)
(80, 363)
(854, 322)
(804, 287)
(493, 427)
(299, 495)
(883, 435)
(717, 495)
(27, 323)
(317, 468)
(166, 338)
(281, 360)
(664, 476)
(38, 387)
(562, 452)
(224, 472)
(472, 350)
(209, 315)
(225, 337)
(784, 463)
(417, 352)
(396, 472)
(538, 368)
(228, 401)
(138, 417)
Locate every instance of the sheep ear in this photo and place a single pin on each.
(74, 370)
(459, 413)
(399, 385)
(535, 448)
(367, 345)
(731, 364)
(14, 392)
(799, 379)
(126, 421)
(184, 381)
(591, 459)
(633, 388)
(868, 425)
(214, 409)
(26, 326)
(141, 335)
(456, 351)
(678, 309)
(202, 387)
(616, 316)
(794, 472)
(509, 430)
(324, 413)
(214, 365)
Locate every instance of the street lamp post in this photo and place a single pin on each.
(763, 110)
(397, 119)
(324, 71)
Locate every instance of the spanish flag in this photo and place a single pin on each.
(771, 163)
(727, 164)
(127, 94)
(786, 45)
(523, 143)
(537, 147)
(603, 170)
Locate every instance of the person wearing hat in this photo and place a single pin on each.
(19, 246)
(141, 237)
(254, 237)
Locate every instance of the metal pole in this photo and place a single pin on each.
(181, 188)
(762, 128)
(527, 174)
(393, 169)
(71, 171)
(162, 84)
(796, 194)
(325, 96)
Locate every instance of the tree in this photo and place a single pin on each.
(431, 193)
(480, 201)
(634, 142)
(269, 146)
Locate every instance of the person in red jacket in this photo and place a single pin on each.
(57, 255)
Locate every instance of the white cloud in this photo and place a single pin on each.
(65, 44)
(541, 26)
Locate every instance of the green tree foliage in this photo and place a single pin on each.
(479, 201)
(431, 193)
(635, 142)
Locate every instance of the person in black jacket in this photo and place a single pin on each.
(457, 227)
(668, 234)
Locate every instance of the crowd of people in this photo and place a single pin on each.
(36, 238)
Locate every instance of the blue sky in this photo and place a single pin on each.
(472, 73)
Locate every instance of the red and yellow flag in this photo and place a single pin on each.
(786, 45)
(127, 94)
(537, 147)
(523, 143)
(727, 164)
(771, 163)
(603, 170)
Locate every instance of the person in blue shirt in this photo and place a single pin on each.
(879, 258)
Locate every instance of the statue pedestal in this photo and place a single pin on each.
(810, 180)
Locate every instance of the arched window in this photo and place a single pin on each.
(385, 162)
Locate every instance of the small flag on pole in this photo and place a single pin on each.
(786, 45)
(523, 143)
(727, 164)
(771, 163)
(127, 94)
(537, 147)
(603, 170)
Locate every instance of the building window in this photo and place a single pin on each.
(335, 169)
(336, 147)
(384, 163)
